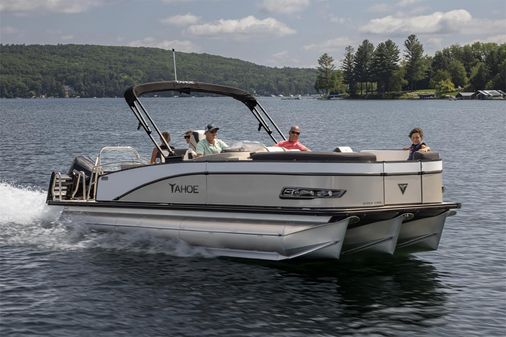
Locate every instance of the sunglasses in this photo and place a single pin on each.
(295, 132)
(186, 137)
(214, 131)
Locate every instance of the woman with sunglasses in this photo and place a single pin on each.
(293, 140)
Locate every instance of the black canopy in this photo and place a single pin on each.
(187, 87)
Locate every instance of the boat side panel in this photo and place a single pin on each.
(265, 190)
(432, 186)
(260, 190)
(403, 189)
(113, 185)
(188, 189)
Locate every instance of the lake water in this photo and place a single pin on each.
(57, 281)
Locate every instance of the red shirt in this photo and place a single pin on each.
(292, 145)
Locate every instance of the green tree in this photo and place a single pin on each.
(444, 87)
(325, 80)
(348, 71)
(397, 81)
(384, 64)
(458, 73)
(415, 65)
(438, 76)
(362, 64)
(499, 80)
(479, 77)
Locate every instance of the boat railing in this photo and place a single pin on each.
(80, 179)
(114, 158)
(60, 184)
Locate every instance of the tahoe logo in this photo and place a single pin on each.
(403, 187)
(175, 188)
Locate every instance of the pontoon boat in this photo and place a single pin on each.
(259, 201)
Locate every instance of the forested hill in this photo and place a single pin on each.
(106, 71)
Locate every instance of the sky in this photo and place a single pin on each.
(279, 33)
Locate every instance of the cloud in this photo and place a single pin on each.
(181, 20)
(339, 20)
(410, 6)
(284, 6)
(185, 46)
(57, 6)
(435, 23)
(404, 3)
(499, 39)
(485, 26)
(9, 30)
(241, 28)
(336, 44)
(174, 1)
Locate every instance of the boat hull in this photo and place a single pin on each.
(258, 236)
(374, 237)
(423, 234)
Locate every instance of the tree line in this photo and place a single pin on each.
(106, 71)
(382, 71)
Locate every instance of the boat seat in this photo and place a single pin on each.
(343, 149)
(305, 156)
(426, 156)
(180, 152)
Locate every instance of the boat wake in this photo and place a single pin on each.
(26, 220)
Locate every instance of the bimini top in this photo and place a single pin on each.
(187, 87)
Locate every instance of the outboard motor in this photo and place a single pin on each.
(80, 164)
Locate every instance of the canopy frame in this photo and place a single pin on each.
(133, 93)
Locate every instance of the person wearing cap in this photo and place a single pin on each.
(293, 140)
(211, 144)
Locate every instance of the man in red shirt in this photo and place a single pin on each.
(293, 140)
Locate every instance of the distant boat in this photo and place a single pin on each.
(291, 97)
(331, 97)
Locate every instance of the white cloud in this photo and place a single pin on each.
(174, 1)
(67, 37)
(185, 46)
(336, 44)
(284, 6)
(380, 8)
(9, 30)
(499, 39)
(437, 22)
(241, 28)
(58, 6)
(485, 26)
(181, 20)
(339, 20)
(404, 3)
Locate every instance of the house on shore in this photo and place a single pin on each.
(490, 94)
(482, 94)
(466, 95)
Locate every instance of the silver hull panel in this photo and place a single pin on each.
(375, 237)
(422, 234)
(234, 234)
